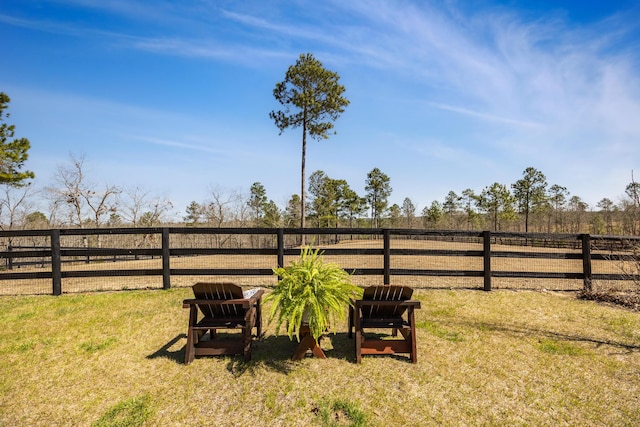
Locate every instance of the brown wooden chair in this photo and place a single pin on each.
(222, 306)
(385, 307)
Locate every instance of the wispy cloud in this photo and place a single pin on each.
(500, 67)
(484, 116)
(68, 29)
(177, 144)
(491, 65)
(212, 50)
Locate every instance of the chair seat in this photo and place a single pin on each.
(383, 323)
(208, 323)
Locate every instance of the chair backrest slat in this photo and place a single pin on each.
(385, 293)
(219, 291)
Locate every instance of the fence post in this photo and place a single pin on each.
(10, 258)
(56, 261)
(486, 244)
(166, 265)
(280, 240)
(586, 262)
(386, 238)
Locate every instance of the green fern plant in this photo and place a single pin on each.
(308, 285)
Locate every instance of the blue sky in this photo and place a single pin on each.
(174, 97)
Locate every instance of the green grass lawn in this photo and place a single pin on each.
(496, 358)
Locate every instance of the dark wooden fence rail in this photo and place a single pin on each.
(280, 247)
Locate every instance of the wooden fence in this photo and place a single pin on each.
(392, 254)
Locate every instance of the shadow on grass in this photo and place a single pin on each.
(525, 331)
(270, 352)
(166, 352)
(275, 352)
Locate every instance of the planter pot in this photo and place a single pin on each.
(305, 316)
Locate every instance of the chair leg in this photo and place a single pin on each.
(258, 319)
(192, 337)
(405, 332)
(190, 349)
(250, 320)
(414, 347)
(246, 337)
(358, 339)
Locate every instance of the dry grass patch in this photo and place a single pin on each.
(498, 358)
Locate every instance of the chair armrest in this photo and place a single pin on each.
(256, 295)
(406, 303)
(253, 294)
(246, 303)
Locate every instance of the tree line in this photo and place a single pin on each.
(530, 204)
(73, 199)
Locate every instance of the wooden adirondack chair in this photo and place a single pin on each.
(222, 306)
(385, 307)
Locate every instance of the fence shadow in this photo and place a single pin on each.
(532, 331)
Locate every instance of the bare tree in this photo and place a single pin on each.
(134, 203)
(13, 207)
(155, 212)
(66, 194)
(16, 201)
(139, 207)
(222, 207)
(77, 198)
(100, 205)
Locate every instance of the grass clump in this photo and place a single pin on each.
(553, 346)
(341, 412)
(96, 346)
(132, 412)
(436, 329)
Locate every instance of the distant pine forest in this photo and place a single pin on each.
(530, 204)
